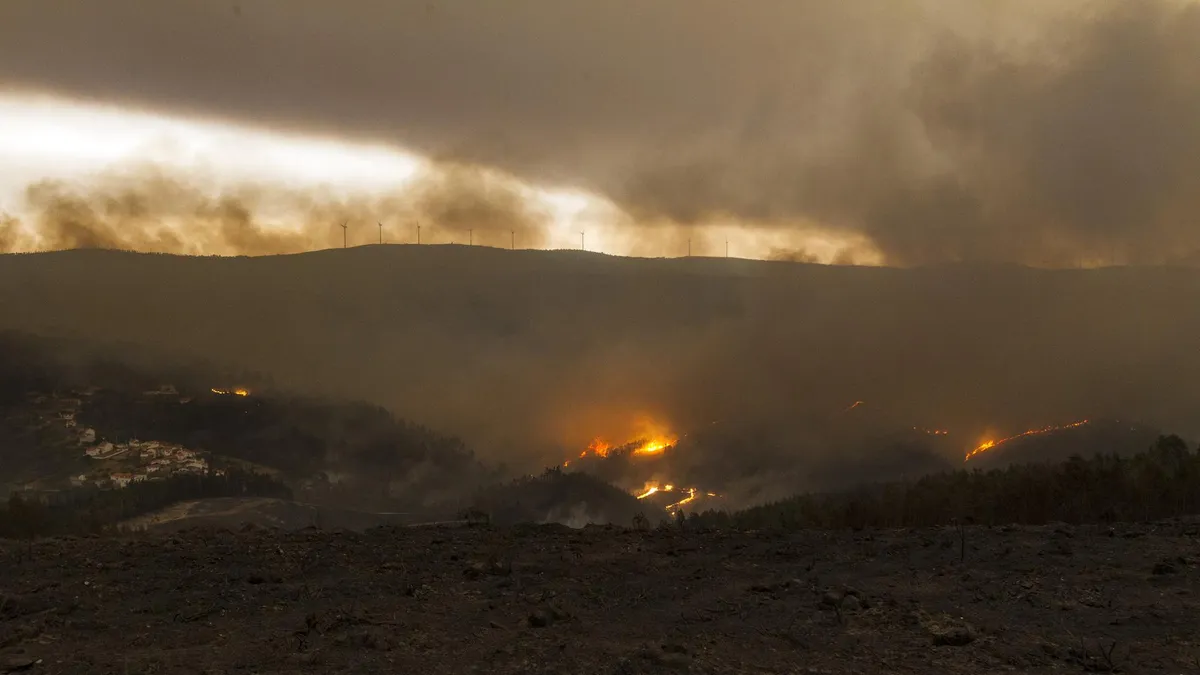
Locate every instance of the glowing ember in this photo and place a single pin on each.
(232, 392)
(855, 405)
(932, 432)
(992, 443)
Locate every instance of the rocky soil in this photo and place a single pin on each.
(547, 599)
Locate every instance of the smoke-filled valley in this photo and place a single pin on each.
(588, 336)
(733, 382)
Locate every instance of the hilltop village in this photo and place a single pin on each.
(110, 462)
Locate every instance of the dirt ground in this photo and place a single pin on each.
(547, 599)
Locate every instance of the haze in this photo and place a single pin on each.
(1057, 133)
(951, 146)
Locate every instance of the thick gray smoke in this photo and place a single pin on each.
(149, 208)
(1054, 132)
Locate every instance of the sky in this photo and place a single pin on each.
(1055, 133)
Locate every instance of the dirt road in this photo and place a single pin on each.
(603, 600)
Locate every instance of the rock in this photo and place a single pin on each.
(667, 659)
(947, 631)
(540, 619)
(851, 603)
(831, 599)
(955, 636)
(17, 663)
(375, 640)
(305, 659)
(1164, 567)
(674, 648)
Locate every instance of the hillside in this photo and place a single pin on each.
(529, 355)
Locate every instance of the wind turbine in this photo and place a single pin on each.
(344, 226)
(380, 232)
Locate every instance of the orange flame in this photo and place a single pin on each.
(648, 444)
(232, 392)
(932, 432)
(653, 488)
(597, 447)
(648, 491)
(855, 405)
(992, 443)
(691, 497)
(655, 446)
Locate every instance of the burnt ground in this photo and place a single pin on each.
(547, 599)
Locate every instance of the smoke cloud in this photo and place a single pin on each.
(1049, 133)
(152, 208)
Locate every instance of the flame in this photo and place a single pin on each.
(932, 432)
(647, 444)
(598, 447)
(992, 443)
(653, 488)
(232, 392)
(648, 491)
(655, 445)
(691, 497)
(855, 405)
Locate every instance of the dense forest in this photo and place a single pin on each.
(1162, 482)
(95, 511)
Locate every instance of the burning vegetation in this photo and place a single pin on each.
(237, 391)
(649, 438)
(651, 489)
(991, 444)
(646, 451)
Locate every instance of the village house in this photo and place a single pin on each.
(100, 451)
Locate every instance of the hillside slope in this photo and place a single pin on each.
(528, 355)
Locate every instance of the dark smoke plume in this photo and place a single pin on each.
(1058, 132)
(149, 208)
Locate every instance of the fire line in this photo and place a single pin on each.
(991, 444)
